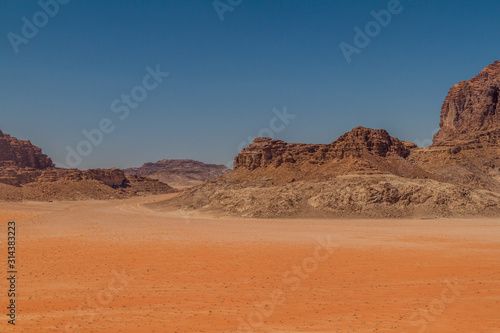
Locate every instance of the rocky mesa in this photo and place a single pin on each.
(360, 151)
(179, 173)
(28, 174)
(368, 173)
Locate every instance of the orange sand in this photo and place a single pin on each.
(117, 266)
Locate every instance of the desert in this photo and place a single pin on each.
(233, 166)
(117, 266)
(366, 234)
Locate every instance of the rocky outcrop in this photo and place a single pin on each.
(27, 174)
(22, 154)
(21, 163)
(73, 184)
(360, 196)
(368, 173)
(179, 172)
(111, 177)
(472, 110)
(357, 143)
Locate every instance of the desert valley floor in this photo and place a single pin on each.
(118, 266)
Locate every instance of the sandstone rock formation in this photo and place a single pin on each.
(357, 143)
(472, 109)
(20, 176)
(368, 173)
(27, 174)
(360, 151)
(19, 153)
(179, 173)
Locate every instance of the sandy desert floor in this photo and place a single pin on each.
(117, 266)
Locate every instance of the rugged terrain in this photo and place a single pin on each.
(179, 173)
(28, 174)
(368, 173)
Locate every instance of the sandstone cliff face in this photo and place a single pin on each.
(360, 151)
(471, 108)
(20, 153)
(357, 143)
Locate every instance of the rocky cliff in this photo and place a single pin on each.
(23, 154)
(357, 143)
(360, 151)
(472, 109)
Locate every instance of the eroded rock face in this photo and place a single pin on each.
(472, 108)
(356, 143)
(22, 154)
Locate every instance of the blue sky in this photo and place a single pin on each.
(226, 77)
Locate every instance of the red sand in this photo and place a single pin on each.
(118, 267)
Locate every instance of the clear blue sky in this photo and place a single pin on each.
(227, 76)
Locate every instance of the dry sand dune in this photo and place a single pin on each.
(117, 266)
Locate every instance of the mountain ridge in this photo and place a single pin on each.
(368, 173)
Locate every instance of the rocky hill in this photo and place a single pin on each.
(368, 173)
(360, 151)
(20, 153)
(264, 152)
(471, 111)
(28, 174)
(179, 173)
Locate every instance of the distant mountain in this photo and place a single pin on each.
(180, 173)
